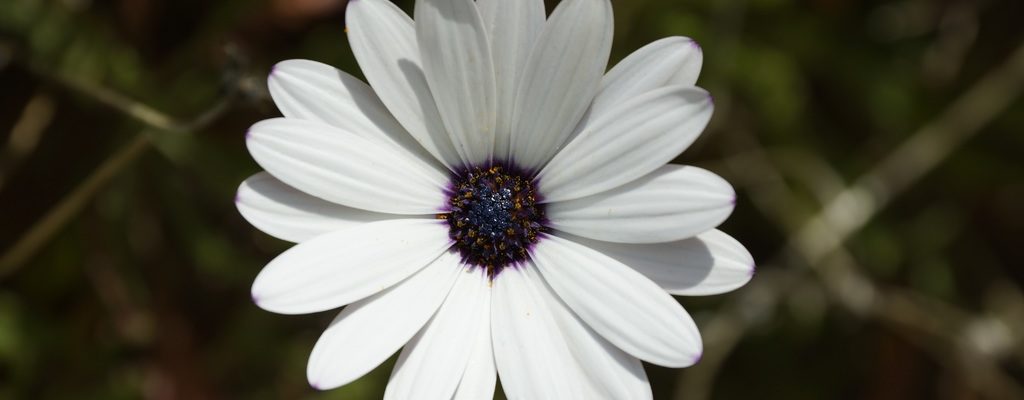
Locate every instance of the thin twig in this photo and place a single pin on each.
(70, 206)
(144, 113)
(836, 267)
(43, 230)
(851, 209)
(35, 118)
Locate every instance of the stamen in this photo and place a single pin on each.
(494, 218)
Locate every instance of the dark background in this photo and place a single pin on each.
(876, 146)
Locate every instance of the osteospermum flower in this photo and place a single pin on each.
(495, 203)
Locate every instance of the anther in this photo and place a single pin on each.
(494, 218)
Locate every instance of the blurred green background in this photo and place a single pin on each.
(876, 145)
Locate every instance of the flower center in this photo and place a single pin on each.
(494, 217)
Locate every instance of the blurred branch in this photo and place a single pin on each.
(44, 230)
(144, 113)
(726, 330)
(130, 316)
(852, 208)
(820, 240)
(946, 342)
(937, 328)
(71, 205)
(819, 243)
(35, 118)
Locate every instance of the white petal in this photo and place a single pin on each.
(344, 168)
(433, 362)
(615, 374)
(457, 64)
(288, 214)
(348, 265)
(634, 139)
(666, 62)
(481, 375)
(368, 332)
(383, 40)
(533, 359)
(669, 204)
(619, 303)
(707, 264)
(513, 28)
(561, 77)
(315, 91)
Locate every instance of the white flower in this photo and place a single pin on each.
(496, 203)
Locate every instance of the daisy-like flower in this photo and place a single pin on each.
(493, 202)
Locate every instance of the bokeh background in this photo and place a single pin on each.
(876, 146)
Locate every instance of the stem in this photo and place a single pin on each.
(41, 233)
